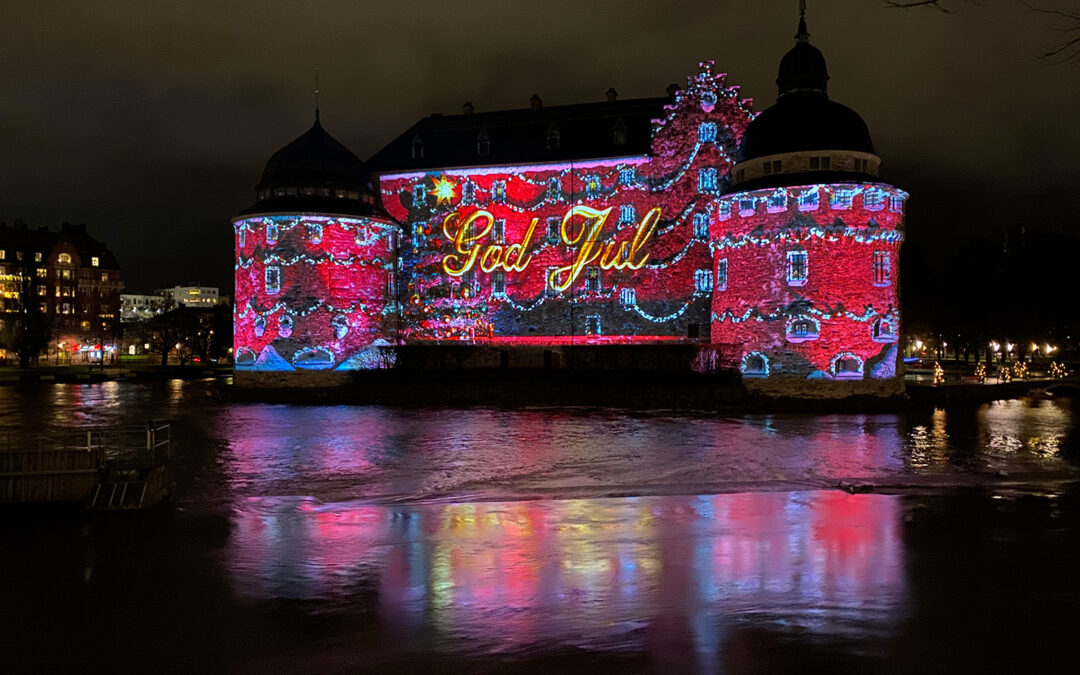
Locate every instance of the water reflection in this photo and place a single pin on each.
(596, 573)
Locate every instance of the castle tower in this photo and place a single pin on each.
(315, 266)
(806, 246)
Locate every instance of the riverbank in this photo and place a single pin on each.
(84, 374)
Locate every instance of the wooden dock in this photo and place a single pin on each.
(110, 468)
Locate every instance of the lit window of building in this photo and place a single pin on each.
(627, 214)
(873, 200)
(721, 274)
(724, 210)
(707, 179)
(271, 233)
(592, 325)
(777, 201)
(95, 261)
(553, 225)
(626, 176)
(498, 231)
(64, 259)
(802, 329)
(881, 268)
(707, 132)
(701, 225)
(273, 279)
(498, 191)
(841, 198)
(896, 203)
(498, 283)
(702, 281)
(808, 200)
(627, 297)
(592, 279)
(746, 206)
(796, 268)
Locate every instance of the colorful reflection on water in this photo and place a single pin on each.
(597, 573)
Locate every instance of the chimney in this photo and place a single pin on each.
(535, 102)
(611, 95)
(467, 108)
(672, 88)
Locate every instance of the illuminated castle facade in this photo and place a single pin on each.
(767, 242)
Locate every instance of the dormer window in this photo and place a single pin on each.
(65, 259)
(417, 147)
(483, 143)
(620, 131)
(553, 137)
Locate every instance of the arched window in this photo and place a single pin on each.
(846, 366)
(755, 364)
(64, 259)
(802, 329)
(884, 329)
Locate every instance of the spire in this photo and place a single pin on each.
(316, 94)
(803, 35)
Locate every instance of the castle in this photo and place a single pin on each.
(767, 242)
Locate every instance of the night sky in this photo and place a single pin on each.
(151, 121)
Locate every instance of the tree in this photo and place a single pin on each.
(1066, 24)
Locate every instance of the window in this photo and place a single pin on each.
(841, 198)
(873, 200)
(292, 192)
(340, 324)
(626, 176)
(468, 283)
(847, 366)
(417, 147)
(42, 291)
(549, 281)
(273, 279)
(42, 272)
(498, 191)
(44, 307)
(864, 166)
(701, 225)
(64, 274)
(627, 214)
(777, 201)
(315, 232)
(592, 186)
(260, 325)
(419, 194)
(826, 163)
(554, 190)
(271, 233)
(755, 364)
(815, 163)
(707, 132)
(37, 257)
(498, 231)
(802, 329)
(592, 324)
(285, 326)
(707, 179)
(3, 254)
(468, 192)
(483, 143)
(896, 203)
(796, 268)
(808, 200)
(881, 268)
(553, 137)
(884, 330)
(18, 255)
(724, 210)
(721, 274)
(627, 297)
(498, 284)
(592, 279)
(746, 206)
(104, 276)
(619, 136)
(418, 235)
(767, 168)
(702, 281)
(553, 224)
(776, 166)
(63, 259)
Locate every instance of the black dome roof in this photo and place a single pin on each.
(805, 121)
(315, 159)
(803, 118)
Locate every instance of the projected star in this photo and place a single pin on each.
(443, 191)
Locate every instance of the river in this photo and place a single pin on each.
(363, 539)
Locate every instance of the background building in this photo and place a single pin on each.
(192, 295)
(61, 291)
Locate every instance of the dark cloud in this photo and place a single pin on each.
(151, 121)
